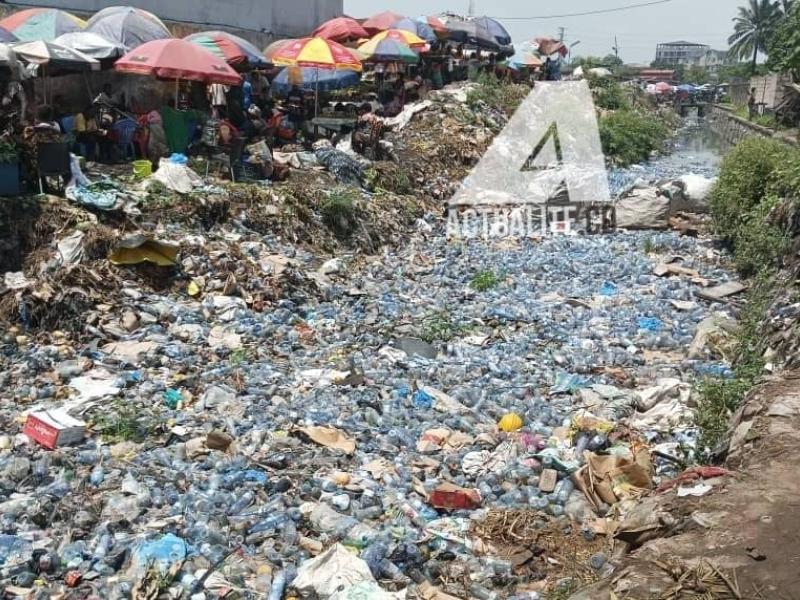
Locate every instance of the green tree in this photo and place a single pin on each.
(612, 61)
(784, 47)
(696, 75)
(753, 29)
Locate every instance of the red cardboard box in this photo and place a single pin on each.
(452, 497)
(54, 428)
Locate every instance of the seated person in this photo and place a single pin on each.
(45, 121)
(257, 127)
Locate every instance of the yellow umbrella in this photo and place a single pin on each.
(411, 39)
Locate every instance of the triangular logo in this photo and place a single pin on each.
(547, 153)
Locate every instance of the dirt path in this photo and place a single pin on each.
(742, 539)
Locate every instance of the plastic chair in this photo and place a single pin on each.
(124, 130)
(232, 161)
(53, 161)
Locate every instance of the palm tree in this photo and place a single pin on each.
(753, 28)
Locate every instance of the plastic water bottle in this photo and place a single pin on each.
(278, 585)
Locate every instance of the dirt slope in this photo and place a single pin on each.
(742, 539)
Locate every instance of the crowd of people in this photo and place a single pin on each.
(246, 122)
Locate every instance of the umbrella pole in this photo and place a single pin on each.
(177, 91)
(88, 86)
(316, 93)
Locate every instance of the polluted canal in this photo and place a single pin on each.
(447, 417)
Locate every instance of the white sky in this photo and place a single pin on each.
(638, 30)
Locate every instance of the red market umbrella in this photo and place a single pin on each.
(341, 29)
(548, 46)
(381, 22)
(178, 60)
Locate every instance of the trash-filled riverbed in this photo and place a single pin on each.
(430, 422)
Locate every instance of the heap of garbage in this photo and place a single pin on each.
(200, 401)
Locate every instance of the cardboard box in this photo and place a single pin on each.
(54, 428)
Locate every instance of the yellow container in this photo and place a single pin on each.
(142, 168)
(510, 422)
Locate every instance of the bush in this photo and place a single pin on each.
(629, 137)
(754, 177)
(607, 94)
(497, 94)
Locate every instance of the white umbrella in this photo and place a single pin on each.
(8, 60)
(91, 44)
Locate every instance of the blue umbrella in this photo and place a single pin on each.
(686, 87)
(310, 77)
(6, 36)
(418, 27)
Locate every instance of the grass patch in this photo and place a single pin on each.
(484, 281)
(440, 327)
(720, 398)
(339, 211)
(122, 422)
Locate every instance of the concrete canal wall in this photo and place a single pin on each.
(732, 129)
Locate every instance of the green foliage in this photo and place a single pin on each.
(740, 71)
(753, 29)
(339, 211)
(496, 94)
(696, 75)
(720, 398)
(8, 153)
(607, 93)
(440, 327)
(122, 422)
(768, 121)
(629, 137)
(754, 177)
(484, 281)
(784, 46)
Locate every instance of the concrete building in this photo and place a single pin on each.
(680, 53)
(257, 20)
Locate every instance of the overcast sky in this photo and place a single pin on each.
(638, 30)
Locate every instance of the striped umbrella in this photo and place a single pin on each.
(341, 29)
(389, 49)
(230, 48)
(401, 35)
(315, 52)
(129, 26)
(274, 47)
(45, 24)
(318, 53)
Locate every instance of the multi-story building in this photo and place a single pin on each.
(680, 53)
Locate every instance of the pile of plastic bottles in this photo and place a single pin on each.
(141, 493)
